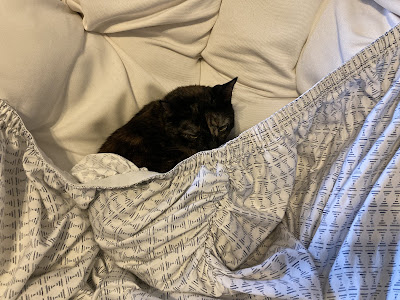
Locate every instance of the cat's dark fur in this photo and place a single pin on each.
(188, 120)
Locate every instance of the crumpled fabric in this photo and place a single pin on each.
(303, 205)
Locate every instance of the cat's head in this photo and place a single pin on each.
(201, 117)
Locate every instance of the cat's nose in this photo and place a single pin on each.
(215, 132)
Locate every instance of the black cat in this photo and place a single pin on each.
(188, 120)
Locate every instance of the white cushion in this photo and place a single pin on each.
(69, 87)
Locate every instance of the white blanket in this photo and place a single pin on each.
(304, 205)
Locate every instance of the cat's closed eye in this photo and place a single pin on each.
(191, 132)
(223, 128)
(191, 136)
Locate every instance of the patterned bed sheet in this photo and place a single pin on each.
(304, 205)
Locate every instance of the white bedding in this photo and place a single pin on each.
(304, 205)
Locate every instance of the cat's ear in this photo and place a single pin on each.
(224, 91)
(166, 106)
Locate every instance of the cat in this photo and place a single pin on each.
(164, 132)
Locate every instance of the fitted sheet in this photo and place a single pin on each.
(303, 205)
